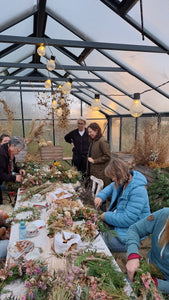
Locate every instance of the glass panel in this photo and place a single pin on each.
(11, 12)
(19, 54)
(86, 16)
(128, 134)
(115, 134)
(17, 129)
(23, 28)
(159, 12)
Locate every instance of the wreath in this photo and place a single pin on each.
(35, 214)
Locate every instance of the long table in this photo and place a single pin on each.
(45, 243)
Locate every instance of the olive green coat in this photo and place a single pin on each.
(101, 154)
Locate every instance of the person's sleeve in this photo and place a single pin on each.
(4, 176)
(106, 154)
(106, 192)
(139, 230)
(127, 214)
(69, 137)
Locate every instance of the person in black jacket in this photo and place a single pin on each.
(79, 140)
(8, 167)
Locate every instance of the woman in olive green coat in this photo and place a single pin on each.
(99, 153)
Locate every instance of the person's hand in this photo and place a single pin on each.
(131, 266)
(72, 144)
(97, 202)
(22, 172)
(102, 216)
(91, 160)
(19, 178)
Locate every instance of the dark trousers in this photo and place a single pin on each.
(79, 161)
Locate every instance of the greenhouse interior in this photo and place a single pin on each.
(101, 62)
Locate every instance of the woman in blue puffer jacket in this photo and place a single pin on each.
(129, 202)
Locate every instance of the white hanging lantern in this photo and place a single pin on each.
(136, 108)
(41, 50)
(54, 103)
(96, 104)
(48, 84)
(67, 86)
(62, 100)
(59, 112)
(51, 63)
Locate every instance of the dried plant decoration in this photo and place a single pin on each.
(10, 116)
(60, 112)
(152, 145)
(36, 131)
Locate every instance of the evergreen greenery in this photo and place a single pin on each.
(158, 191)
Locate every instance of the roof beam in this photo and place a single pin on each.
(39, 25)
(78, 44)
(126, 5)
(60, 67)
(42, 78)
(122, 7)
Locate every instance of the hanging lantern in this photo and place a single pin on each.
(48, 84)
(62, 100)
(54, 103)
(41, 50)
(96, 104)
(67, 86)
(51, 63)
(43, 95)
(136, 108)
(59, 112)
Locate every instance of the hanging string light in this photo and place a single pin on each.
(59, 112)
(96, 104)
(51, 63)
(54, 103)
(67, 86)
(48, 84)
(136, 108)
(41, 50)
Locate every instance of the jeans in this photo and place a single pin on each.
(3, 248)
(163, 286)
(113, 243)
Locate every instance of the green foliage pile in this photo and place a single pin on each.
(158, 191)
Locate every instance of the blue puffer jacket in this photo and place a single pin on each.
(132, 204)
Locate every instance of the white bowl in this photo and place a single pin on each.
(31, 230)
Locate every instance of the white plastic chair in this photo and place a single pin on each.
(97, 185)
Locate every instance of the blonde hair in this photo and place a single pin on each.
(118, 170)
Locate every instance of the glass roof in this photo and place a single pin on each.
(107, 47)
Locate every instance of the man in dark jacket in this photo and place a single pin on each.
(8, 167)
(79, 139)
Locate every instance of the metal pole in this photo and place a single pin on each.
(81, 108)
(120, 134)
(109, 133)
(22, 114)
(53, 118)
(136, 127)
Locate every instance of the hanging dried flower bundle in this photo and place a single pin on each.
(10, 116)
(56, 105)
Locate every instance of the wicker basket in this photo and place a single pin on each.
(51, 153)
